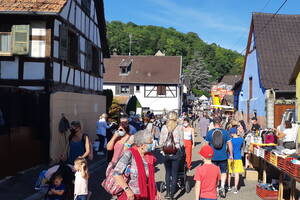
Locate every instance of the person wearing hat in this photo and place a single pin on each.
(255, 125)
(235, 166)
(207, 176)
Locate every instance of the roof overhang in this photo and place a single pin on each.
(295, 73)
(27, 13)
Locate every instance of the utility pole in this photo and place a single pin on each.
(130, 36)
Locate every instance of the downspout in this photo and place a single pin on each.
(270, 100)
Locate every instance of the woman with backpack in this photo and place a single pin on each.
(79, 144)
(171, 140)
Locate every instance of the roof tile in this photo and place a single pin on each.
(144, 69)
(54, 6)
(278, 47)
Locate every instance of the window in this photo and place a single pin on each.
(95, 61)
(137, 88)
(86, 6)
(124, 89)
(14, 39)
(125, 66)
(69, 46)
(250, 88)
(124, 70)
(161, 90)
(73, 44)
(5, 43)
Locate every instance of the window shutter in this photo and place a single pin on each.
(63, 42)
(131, 89)
(95, 61)
(78, 51)
(89, 56)
(163, 90)
(158, 90)
(118, 89)
(20, 39)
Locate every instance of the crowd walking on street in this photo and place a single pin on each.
(133, 145)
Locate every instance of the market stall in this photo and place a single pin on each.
(265, 153)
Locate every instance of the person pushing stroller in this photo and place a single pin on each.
(171, 140)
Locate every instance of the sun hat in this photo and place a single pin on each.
(206, 151)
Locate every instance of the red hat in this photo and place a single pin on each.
(206, 151)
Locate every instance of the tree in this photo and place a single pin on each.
(109, 98)
(147, 40)
(199, 76)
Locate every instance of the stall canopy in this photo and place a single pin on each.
(203, 98)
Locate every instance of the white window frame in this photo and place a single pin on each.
(124, 89)
(6, 53)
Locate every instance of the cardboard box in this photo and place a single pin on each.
(251, 175)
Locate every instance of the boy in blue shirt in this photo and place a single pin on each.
(236, 165)
(57, 189)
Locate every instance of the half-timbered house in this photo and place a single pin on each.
(154, 80)
(51, 63)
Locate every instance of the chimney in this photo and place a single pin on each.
(159, 53)
(115, 52)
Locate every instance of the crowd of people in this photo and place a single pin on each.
(132, 144)
(174, 139)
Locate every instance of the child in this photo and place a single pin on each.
(236, 165)
(57, 189)
(207, 176)
(81, 179)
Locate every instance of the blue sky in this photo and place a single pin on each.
(224, 22)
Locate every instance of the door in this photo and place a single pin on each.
(24, 129)
(279, 109)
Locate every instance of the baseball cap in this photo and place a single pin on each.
(206, 151)
(232, 131)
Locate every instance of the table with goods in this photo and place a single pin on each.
(263, 155)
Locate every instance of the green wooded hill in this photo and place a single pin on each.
(147, 40)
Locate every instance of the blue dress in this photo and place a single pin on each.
(75, 149)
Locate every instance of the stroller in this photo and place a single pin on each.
(182, 179)
(67, 174)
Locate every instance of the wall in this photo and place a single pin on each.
(158, 105)
(257, 103)
(88, 30)
(83, 107)
(298, 103)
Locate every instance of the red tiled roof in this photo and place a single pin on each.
(144, 69)
(52, 6)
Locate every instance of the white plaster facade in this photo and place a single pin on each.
(158, 104)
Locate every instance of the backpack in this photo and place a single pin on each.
(217, 139)
(91, 154)
(169, 146)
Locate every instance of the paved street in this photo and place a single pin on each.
(247, 191)
(21, 186)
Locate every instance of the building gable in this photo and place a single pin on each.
(278, 47)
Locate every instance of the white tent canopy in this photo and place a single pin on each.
(203, 98)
